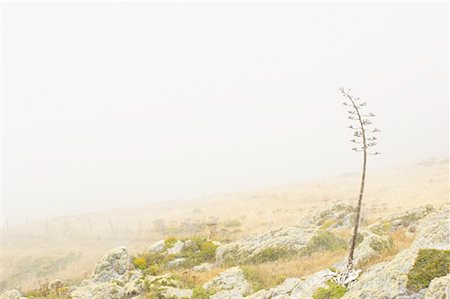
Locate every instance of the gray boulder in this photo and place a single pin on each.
(112, 266)
(439, 288)
(176, 263)
(113, 278)
(231, 281)
(176, 248)
(157, 247)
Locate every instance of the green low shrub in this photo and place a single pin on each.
(324, 241)
(154, 263)
(328, 223)
(204, 252)
(271, 254)
(170, 242)
(429, 264)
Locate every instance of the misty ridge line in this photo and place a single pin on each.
(107, 221)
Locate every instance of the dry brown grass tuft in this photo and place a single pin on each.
(400, 241)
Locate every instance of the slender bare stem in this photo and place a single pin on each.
(363, 177)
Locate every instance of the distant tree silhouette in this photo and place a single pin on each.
(363, 143)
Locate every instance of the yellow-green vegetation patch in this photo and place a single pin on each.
(328, 223)
(152, 295)
(429, 264)
(199, 293)
(324, 241)
(203, 252)
(170, 242)
(152, 263)
(333, 291)
(140, 262)
(155, 263)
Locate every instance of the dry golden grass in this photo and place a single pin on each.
(193, 278)
(343, 234)
(267, 275)
(400, 241)
(270, 274)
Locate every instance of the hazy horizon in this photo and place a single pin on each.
(106, 104)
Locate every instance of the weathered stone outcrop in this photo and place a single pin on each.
(113, 277)
(406, 219)
(337, 216)
(112, 266)
(296, 288)
(439, 288)
(389, 279)
(282, 241)
(229, 284)
(157, 247)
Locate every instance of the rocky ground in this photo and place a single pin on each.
(66, 247)
(420, 271)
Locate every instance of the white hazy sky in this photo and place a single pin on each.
(110, 104)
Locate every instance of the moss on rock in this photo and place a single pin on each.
(429, 264)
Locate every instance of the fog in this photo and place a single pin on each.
(117, 104)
